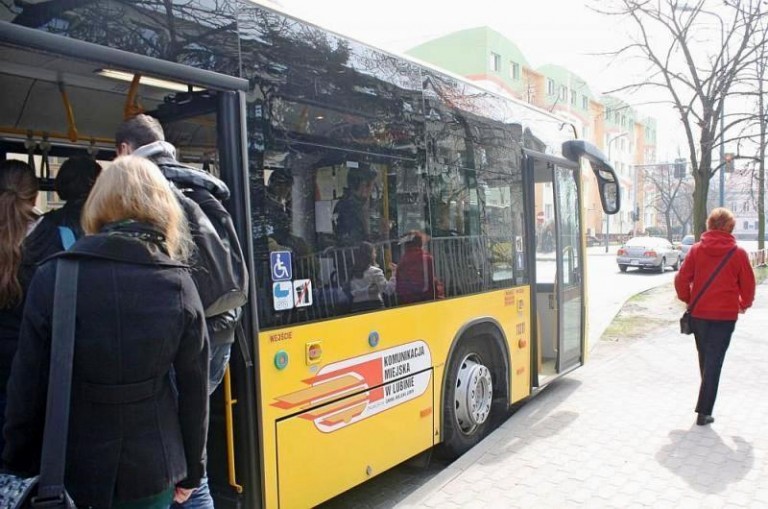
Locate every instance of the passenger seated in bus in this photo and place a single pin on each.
(368, 283)
(60, 228)
(138, 316)
(18, 192)
(415, 279)
(352, 215)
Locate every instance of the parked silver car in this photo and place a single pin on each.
(648, 253)
(685, 245)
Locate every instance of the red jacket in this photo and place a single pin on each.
(732, 290)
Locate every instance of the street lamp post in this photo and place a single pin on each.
(607, 217)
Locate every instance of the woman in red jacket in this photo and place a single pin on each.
(714, 316)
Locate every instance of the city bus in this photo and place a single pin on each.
(415, 242)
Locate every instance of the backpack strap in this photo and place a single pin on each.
(67, 237)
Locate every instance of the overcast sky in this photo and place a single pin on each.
(562, 32)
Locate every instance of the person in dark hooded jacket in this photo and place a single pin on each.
(715, 314)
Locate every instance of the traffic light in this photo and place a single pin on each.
(729, 157)
(679, 168)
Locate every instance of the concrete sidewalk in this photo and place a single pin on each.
(620, 432)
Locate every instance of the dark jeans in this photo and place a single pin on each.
(712, 340)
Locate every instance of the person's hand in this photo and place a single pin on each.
(180, 495)
(392, 266)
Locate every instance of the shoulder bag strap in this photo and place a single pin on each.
(711, 278)
(51, 482)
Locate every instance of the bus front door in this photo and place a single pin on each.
(558, 278)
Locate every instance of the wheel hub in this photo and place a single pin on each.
(473, 395)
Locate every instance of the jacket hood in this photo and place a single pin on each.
(163, 154)
(717, 243)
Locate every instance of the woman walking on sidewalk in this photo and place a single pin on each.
(713, 318)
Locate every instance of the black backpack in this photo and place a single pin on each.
(218, 265)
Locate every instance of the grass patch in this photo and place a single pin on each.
(761, 274)
(644, 313)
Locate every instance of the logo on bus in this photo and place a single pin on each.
(351, 390)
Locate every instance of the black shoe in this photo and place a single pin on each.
(703, 420)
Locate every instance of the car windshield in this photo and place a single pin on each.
(688, 240)
(643, 241)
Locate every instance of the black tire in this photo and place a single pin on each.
(661, 265)
(458, 436)
(623, 268)
(676, 266)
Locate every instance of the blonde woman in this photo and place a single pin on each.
(132, 442)
(18, 218)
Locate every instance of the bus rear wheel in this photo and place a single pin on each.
(468, 407)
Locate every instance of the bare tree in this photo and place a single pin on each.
(671, 198)
(668, 37)
(755, 129)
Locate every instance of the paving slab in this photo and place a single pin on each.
(621, 432)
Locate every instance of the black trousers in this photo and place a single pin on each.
(712, 340)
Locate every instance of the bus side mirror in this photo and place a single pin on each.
(607, 181)
(609, 195)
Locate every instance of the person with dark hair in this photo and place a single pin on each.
(132, 441)
(415, 274)
(714, 315)
(217, 263)
(18, 192)
(60, 228)
(368, 282)
(352, 213)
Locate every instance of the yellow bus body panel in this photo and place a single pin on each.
(344, 399)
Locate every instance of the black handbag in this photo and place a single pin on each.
(47, 489)
(685, 320)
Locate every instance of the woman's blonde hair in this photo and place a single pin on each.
(133, 188)
(721, 219)
(18, 191)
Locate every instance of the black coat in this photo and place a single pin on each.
(138, 315)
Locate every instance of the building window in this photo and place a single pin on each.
(585, 102)
(550, 87)
(514, 70)
(563, 93)
(573, 97)
(495, 62)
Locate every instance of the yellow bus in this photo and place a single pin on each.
(415, 243)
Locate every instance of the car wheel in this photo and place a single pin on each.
(676, 266)
(661, 265)
(623, 268)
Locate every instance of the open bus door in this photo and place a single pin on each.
(208, 129)
(559, 269)
(558, 284)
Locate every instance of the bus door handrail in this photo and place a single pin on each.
(230, 402)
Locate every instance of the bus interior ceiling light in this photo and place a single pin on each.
(148, 81)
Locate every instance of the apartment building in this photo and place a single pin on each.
(487, 57)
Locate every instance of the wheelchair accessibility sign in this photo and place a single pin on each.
(280, 263)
